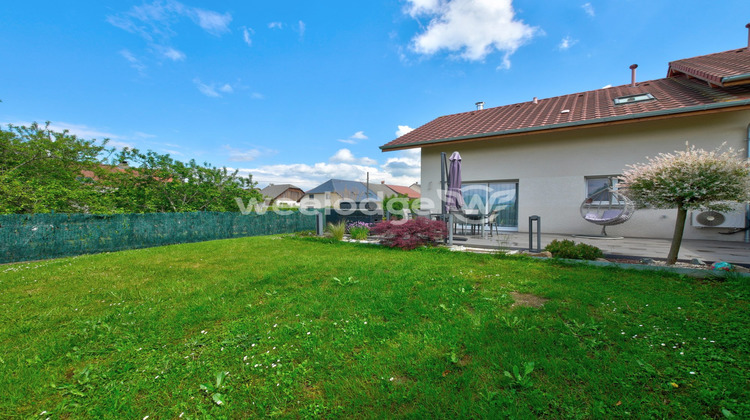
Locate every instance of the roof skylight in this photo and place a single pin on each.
(641, 97)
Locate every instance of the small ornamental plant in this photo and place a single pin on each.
(411, 234)
(688, 180)
(358, 230)
(336, 230)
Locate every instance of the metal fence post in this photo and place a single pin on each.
(538, 221)
(319, 224)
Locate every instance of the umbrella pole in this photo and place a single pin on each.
(443, 182)
(441, 194)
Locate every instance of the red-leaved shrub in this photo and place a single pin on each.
(410, 234)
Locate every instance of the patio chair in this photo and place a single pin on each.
(468, 217)
(492, 221)
(607, 208)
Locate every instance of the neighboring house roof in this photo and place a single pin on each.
(108, 168)
(354, 190)
(677, 94)
(383, 189)
(728, 68)
(405, 191)
(273, 191)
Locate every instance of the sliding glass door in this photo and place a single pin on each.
(494, 196)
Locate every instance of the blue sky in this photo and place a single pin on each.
(303, 91)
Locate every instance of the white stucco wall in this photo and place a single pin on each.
(551, 168)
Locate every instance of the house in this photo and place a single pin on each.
(334, 192)
(546, 156)
(384, 190)
(285, 194)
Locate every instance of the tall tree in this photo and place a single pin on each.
(149, 181)
(687, 180)
(41, 170)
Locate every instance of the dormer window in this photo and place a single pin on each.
(641, 97)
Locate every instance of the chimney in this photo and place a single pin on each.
(632, 74)
(480, 106)
(536, 100)
(748, 35)
(382, 182)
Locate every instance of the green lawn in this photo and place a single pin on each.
(295, 327)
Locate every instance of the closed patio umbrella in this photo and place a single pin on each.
(454, 199)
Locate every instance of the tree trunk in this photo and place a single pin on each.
(679, 228)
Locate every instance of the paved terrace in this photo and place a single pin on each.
(708, 251)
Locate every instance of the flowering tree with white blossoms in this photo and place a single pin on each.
(688, 180)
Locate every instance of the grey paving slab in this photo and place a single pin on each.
(709, 251)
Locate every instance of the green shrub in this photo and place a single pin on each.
(569, 249)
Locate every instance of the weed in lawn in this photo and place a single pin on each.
(521, 380)
(348, 282)
(214, 391)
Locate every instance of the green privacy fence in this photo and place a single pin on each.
(25, 237)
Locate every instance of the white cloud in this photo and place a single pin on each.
(247, 155)
(343, 155)
(302, 27)
(86, 132)
(205, 89)
(236, 155)
(589, 9)
(472, 29)
(355, 138)
(246, 33)
(346, 156)
(403, 129)
(171, 53)
(211, 22)
(154, 21)
(359, 135)
(213, 90)
(403, 169)
(142, 135)
(275, 25)
(505, 64)
(173, 152)
(133, 60)
(257, 95)
(566, 43)
(407, 164)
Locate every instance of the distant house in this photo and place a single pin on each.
(334, 192)
(286, 194)
(545, 157)
(407, 191)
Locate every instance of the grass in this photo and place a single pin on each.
(302, 328)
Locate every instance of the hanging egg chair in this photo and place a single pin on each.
(607, 207)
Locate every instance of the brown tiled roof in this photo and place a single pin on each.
(673, 95)
(721, 69)
(405, 190)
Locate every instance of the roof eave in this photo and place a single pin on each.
(619, 118)
(739, 79)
